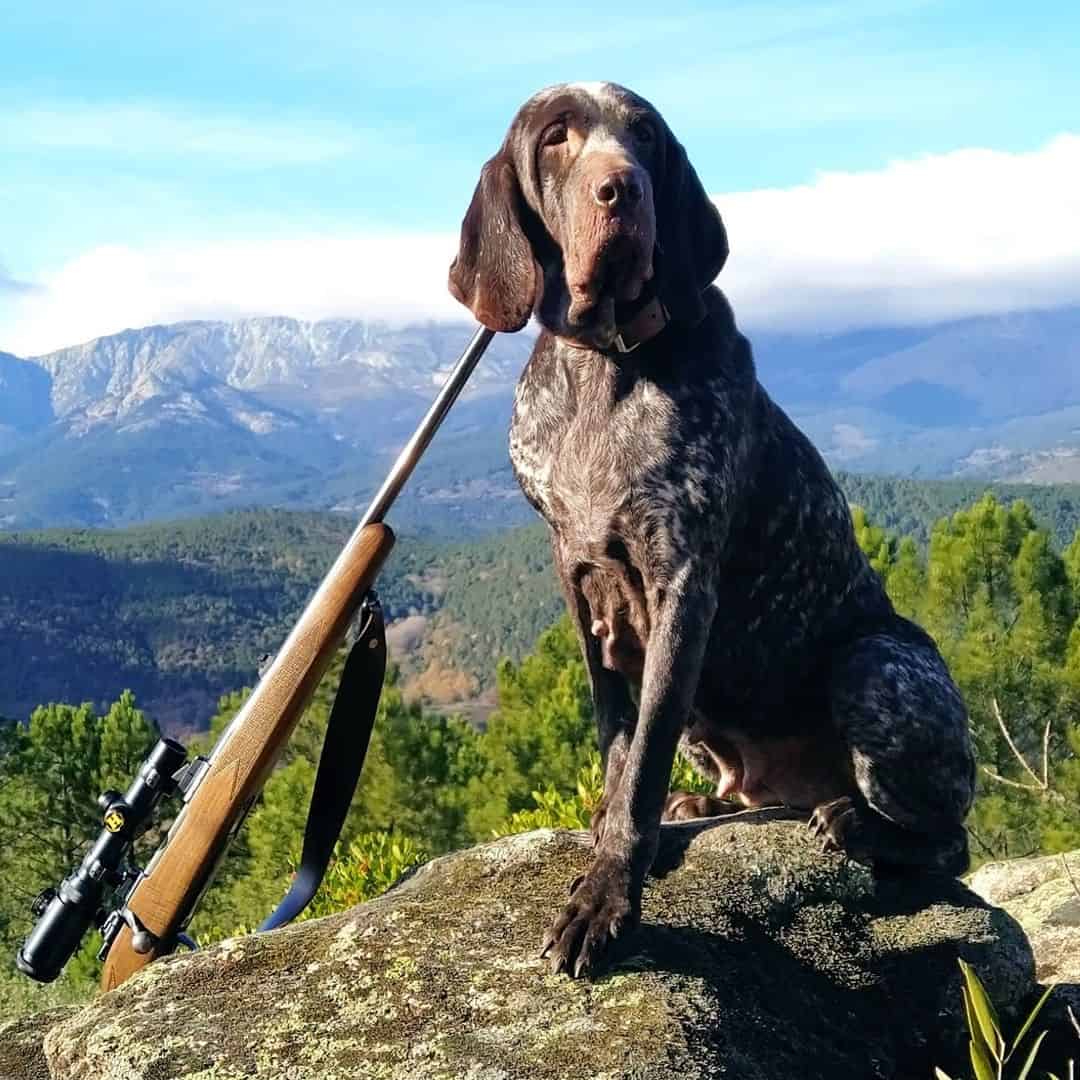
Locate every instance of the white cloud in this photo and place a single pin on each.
(311, 276)
(938, 237)
(8, 284)
(12, 285)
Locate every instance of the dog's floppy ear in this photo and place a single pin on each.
(692, 239)
(495, 274)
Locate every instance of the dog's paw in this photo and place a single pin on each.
(842, 825)
(600, 910)
(688, 806)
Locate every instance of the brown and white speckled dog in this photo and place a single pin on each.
(707, 555)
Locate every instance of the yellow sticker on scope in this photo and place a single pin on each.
(114, 821)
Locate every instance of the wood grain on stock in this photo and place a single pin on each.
(243, 760)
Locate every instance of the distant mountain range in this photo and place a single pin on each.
(993, 397)
(199, 416)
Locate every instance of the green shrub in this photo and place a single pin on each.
(366, 868)
(989, 1051)
(553, 810)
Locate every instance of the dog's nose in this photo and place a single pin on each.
(624, 187)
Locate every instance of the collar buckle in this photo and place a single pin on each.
(644, 326)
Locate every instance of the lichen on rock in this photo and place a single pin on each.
(758, 957)
(1043, 894)
(22, 1056)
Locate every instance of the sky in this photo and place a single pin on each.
(878, 162)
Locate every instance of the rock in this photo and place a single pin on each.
(1043, 894)
(758, 958)
(22, 1056)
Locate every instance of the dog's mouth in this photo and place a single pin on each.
(609, 266)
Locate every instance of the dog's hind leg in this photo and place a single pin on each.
(906, 728)
(614, 709)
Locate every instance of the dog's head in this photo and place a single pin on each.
(589, 205)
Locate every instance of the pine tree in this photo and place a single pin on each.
(541, 733)
(51, 773)
(876, 545)
(906, 581)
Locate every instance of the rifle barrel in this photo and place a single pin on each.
(423, 435)
(384, 498)
(166, 894)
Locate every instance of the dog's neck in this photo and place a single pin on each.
(635, 330)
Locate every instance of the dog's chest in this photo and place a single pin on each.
(592, 452)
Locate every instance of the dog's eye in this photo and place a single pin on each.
(554, 134)
(643, 131)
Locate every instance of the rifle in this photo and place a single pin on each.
(153, 906)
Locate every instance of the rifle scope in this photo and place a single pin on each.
(65, 914)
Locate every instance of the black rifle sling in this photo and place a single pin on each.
(348, 733)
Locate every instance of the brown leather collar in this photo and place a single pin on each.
(644, 326)
(641, 327)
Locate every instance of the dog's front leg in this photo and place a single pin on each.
(606, 901)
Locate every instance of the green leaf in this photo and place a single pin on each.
(981, 1063)
(1031, 1057)
(973, 1027)
(1030, 1020)
(982, 1007)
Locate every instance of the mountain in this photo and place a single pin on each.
(201, 416)
(995, 397)
(25, 403)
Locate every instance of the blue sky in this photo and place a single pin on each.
(234, 121)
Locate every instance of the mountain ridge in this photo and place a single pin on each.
(188, 418)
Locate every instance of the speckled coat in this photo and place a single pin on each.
(707, 556)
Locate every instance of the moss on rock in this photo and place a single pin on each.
(758, 957)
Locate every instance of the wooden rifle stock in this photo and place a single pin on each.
(164, 897)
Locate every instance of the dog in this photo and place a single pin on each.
(707, 556)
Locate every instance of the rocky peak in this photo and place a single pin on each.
(24, 394)
(333, 358)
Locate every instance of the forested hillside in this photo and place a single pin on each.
(182, 612)
(910, 507)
